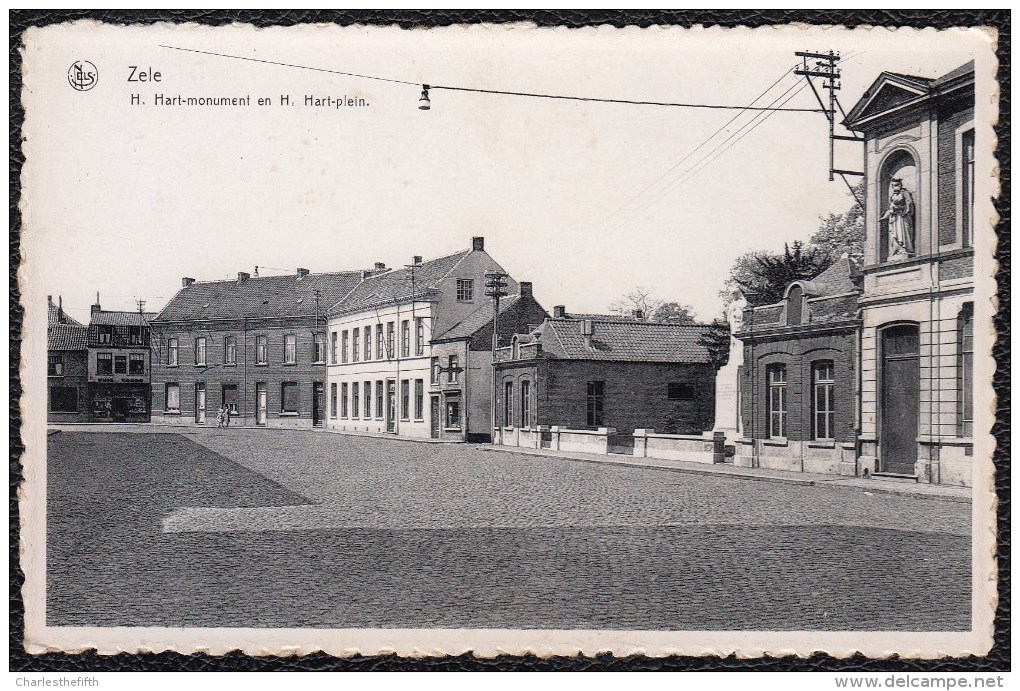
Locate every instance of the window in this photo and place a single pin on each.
(508, 404)
(230, 397)
(405, 399)
(343, 400)
(136, 363)
(795, 305)
(171, 352)
(355, 400)
(526, 404)
(332, 399)
(419, 399)
(965, 373)
(379, 400)
(288, 397)
(345, 339)
(679, 391)
(378, 342)
(389, 340)
(64, 399)
(368, 342)
(405, 338)
(104, 363)
(104, 333)
(200, 344)
(332, 348)
(261, 350)
(290, 349)
(453, 413)
(135, 335)
(822, 375)
(419, 336)
(368, 400)
(319, 347)
(967, 187)
(172, 403)
(596, 403)
(120, 364)
(454, 367)
(434, 370)
(777, 400)
(230, 350)
(356, 345)
(55, 366)
(465, 290)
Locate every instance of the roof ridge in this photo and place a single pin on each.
(345, 272)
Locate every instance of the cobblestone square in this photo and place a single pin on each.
(273, 528)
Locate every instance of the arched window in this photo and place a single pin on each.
(795, 305)
(897, 203)
(965, 372)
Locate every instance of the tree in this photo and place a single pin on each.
(839, 233)
(640, 298)
(673, 313)
(716, 340)
(764, 276)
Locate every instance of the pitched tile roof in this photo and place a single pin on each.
(260, 297)
(478, 319)
(54, 316)
(625, 341)
(838, 278)
(66, 337)
(393, 286)
(112, 318)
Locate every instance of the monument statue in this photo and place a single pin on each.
(900, 215)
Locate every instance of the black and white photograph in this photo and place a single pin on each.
(508, 339)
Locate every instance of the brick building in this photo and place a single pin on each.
(256, 344)
(118, 365)
(403, 350)
(798, 382)
(595, 371)
(66, 367)
(917, 338)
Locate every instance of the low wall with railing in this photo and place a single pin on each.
(647, 443)
(679, 447)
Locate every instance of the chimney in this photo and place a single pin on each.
(49, 299)
(417, 260)
(588, 332)
(243, 276)
(96, 307)
(639, 314)
(187, 281)
(301, 273)
(525, 289)
(60, 309)
(478, 244)
(380, 266)
(559, 312)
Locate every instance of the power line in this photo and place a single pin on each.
(498, 92)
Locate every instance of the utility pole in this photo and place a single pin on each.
(495, 287)
(825, 68)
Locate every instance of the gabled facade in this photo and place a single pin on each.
(917, 302)
(384, 373)
(799, 381)
(119, 365)
(588, 372)
(66, 367)
(255, 345)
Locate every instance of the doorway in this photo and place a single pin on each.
(261, 404)
(200, 403)
(901, 381)
(318, 404)
(434, 416)
(391, 405)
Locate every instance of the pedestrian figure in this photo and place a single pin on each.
(226, 415)
(220, 416)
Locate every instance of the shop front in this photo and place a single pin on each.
(120, 402)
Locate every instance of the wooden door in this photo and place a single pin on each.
(200, 404)
(391, 405)
(261, 404)
(901, 378)
(434, 419)
(318, 404)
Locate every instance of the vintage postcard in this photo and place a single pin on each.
(507, 339)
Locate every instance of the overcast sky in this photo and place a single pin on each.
(585, 199)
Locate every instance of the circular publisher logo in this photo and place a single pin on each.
(83, 75)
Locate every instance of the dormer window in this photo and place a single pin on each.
(465, 290)
(795, 305)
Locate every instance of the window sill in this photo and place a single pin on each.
(260, 364)
(289, 364)
(171, 412)
(822, 444)
(289, 414)
(775, 441)
(452, 429)
(230, 364)
(56, 376)
(419, 419)
(171, 366)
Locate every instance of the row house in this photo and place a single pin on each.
(119, 366)
(871, 372)
(255, 345)
(66, 366)
(405, 348)
(586, 372)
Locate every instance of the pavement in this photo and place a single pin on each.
(278, 528)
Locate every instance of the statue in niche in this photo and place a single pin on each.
(900, 215)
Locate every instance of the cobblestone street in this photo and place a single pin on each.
(272, 528)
